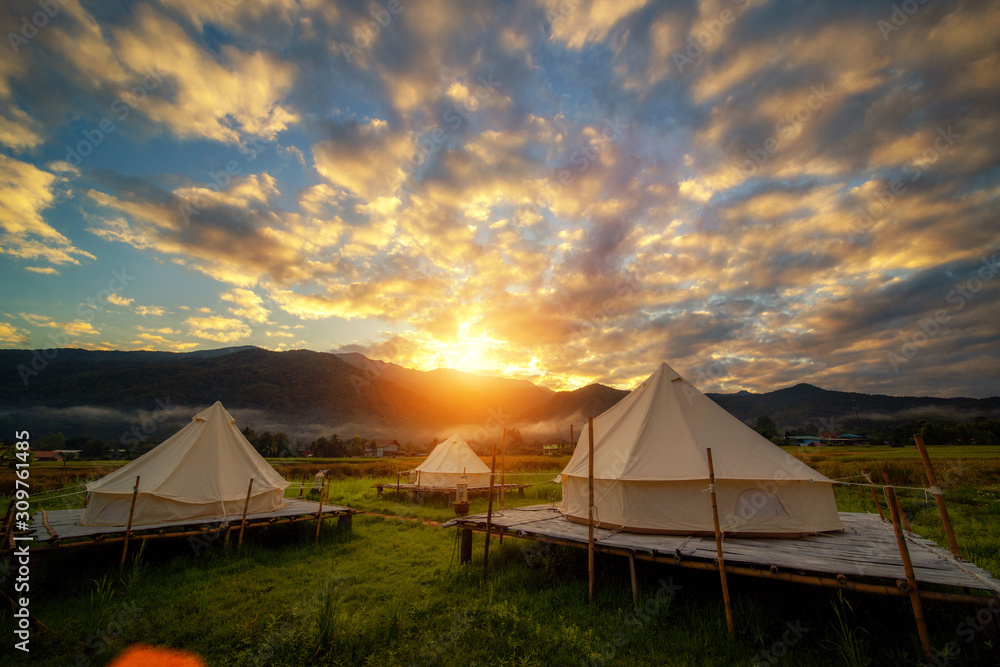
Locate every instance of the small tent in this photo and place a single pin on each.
(448, 462)
(200, 473)
(651, 470)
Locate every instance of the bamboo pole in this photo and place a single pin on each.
(503, 469)
(319, 512)
(871, 487)
(243, 521)
(911, 581)
(902, 514)
(489, 513)
(131, 513)
(718, 546)
(590, 514)
(938, 496)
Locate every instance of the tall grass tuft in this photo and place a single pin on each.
(329, 618)
(850, 643)
(100, 599)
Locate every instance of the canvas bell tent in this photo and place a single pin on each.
(200, 473)
(448, 462)
(651, 470)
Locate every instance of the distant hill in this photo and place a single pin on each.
(473, 395)
(307, 394)
(285, 387)
(790, 408)
(589, 401)
(796, 406)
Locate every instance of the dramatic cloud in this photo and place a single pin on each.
(760, 193)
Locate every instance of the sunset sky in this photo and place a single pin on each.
(759, 193)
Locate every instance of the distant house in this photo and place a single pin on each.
(558, 447)
(848, 439)
(47, 456)
(843, 439)
(307, 453)
(382, 448)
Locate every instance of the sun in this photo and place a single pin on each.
(469, 352)
(468, 356)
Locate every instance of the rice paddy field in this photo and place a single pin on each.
(391, 591)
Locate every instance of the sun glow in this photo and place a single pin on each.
(471, 353)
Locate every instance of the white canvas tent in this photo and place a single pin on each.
(448, 462)
(651, 470)
(200, 473)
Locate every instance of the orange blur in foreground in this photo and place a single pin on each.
(140, 655)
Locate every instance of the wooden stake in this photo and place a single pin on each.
(302, 487)
(590, 504)
(878, 505)
(489, 513)
(319, 512)
(938, 496)
(131, 513)
(911, 581)
(397, 486)
(635, 580)
(718, 546)
(243, 521)
(465, 551)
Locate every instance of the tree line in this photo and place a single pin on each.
(980, 430)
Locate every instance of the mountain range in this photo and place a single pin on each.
(308, 394)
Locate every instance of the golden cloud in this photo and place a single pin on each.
(219, 329)
(249, 305)
(25, 192)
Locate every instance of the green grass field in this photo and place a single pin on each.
(391, 592)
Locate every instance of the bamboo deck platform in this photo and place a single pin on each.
(863, 557)
(62, 528)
